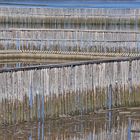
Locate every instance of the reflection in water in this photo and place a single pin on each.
(89, 127)
(129, 129)
(11, 63)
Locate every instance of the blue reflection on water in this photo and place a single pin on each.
(129, 129)
(30, 137)
(39, 131)
(74, 3)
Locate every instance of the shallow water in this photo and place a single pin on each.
(14, 63)
(102, 125)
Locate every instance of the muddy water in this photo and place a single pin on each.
(119, 124)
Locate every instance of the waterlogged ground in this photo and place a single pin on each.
(118, 124)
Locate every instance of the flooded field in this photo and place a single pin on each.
(82, 98)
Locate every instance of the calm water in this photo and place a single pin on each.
(14, 63)
(74, 3)
(114, 125)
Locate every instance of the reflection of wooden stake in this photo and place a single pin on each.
(110, 97)
(38, 107)
(129, 129)
(42, 108)
(109, 114)
(35, 106)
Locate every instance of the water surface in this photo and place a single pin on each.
(17, 63)
(73, 3)
(102, 125)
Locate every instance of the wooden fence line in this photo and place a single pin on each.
(69, 16)
(50, 91)
(67, 30)
(70, 40)
(71, 11)
(29, 19)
